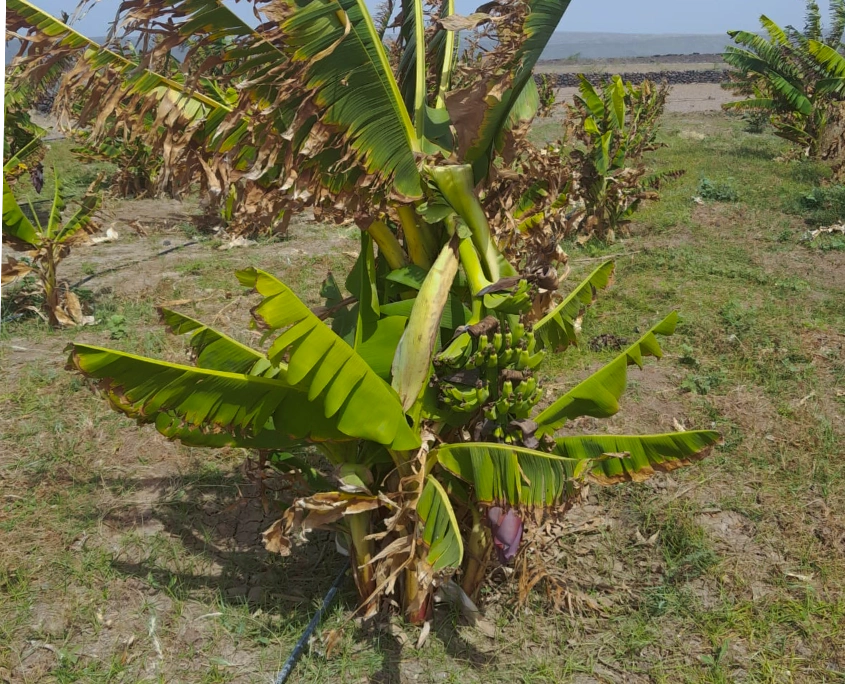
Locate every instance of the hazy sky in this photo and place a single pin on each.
(611, 16)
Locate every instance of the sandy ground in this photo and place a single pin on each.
(686, 98)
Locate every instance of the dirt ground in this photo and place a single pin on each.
(684, 99)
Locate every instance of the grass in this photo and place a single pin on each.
(115, 540)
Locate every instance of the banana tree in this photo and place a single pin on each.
(427, 420)
(616, 124)
(46, 244)
(418, 380)
(791, 74)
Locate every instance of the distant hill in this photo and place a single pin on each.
(565, 44)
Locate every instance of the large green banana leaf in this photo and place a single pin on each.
(209, 400)
(349, 70)
(556, 329)
(17, 228)
(440, 532)
(507, 475)
(772, 56)
(598, 395)
(833, 63)
(793, 95)
(327, 369)
(776, 34)
(269, 439)
(636, 457)
(215, 351)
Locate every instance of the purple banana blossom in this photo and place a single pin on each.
(507, 532)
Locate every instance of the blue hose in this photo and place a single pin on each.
(293, 658)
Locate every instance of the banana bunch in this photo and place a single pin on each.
(514, 402)
(514, 349)
(463, 399)
(490, 371)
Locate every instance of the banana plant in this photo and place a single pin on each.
(615, 123)
(45, 245)
(423, 400)
(795, 75)
(418, 379)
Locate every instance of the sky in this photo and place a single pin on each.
(605, 16)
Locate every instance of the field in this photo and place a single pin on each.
(127, 558)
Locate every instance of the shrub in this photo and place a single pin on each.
(822, 206)
(717, 191)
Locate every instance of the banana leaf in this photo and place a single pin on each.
(327, 369)
(621, 458)
(556, 330)
(440, 533)
(512, 476)
(598, 395)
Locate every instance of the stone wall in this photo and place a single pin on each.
(671, 77)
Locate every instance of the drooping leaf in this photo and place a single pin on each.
(598, 395)
(557, 329)
(492, 101)
(440, 533)
(17, 228)
(215, 351)
(636, 457)
(348, 67)
(412, 362)
(197, 400)
(326, 368)
(23, 13)
(505, 475)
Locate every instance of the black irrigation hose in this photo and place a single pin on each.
(131, 263)
(293, 658)
(15, 316)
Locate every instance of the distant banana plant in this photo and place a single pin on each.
(22, 146)
(616, 124)
(793, 75)
(422, 391)
(46, 244)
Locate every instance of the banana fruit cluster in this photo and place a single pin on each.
(490, 372)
